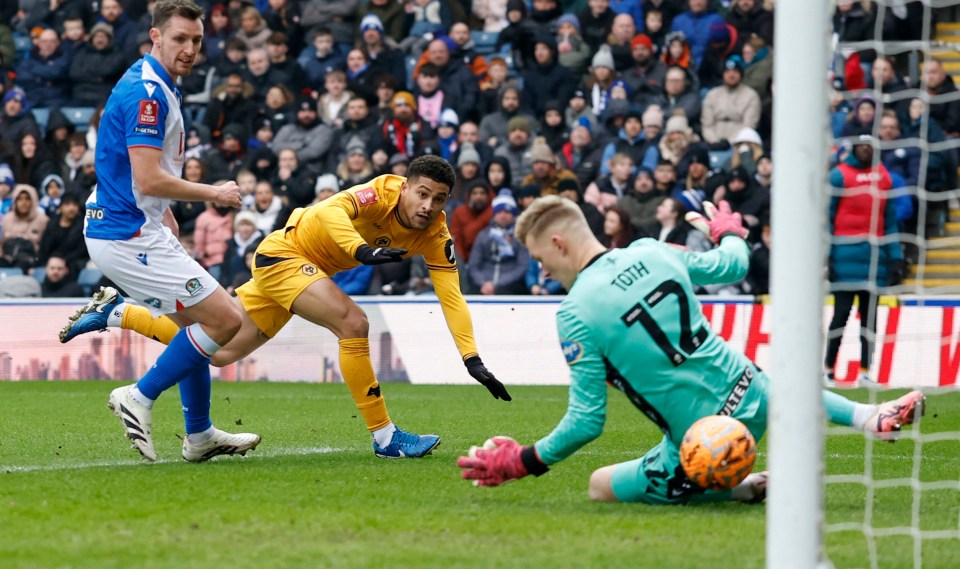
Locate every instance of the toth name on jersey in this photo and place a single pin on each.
(630, 276)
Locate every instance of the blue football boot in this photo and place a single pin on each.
(93, 316)
(407, 445)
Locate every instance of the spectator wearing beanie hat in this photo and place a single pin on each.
(730, 106)
(308, 136)
(677, 137)
(602, 77)
(577, 108)
(693, 172)
(574, 53)
(652, 120)
(371, 22)
(391, 16)
(642, 198)
(646, 76)
(498, 262)
(494, 127)
(327, 185)
(405, 132)
(447, 133)
(16, 120)
(581, 154)
(860, 121)
(516, 148)
(96, 67)
(235, 270)
(747, 151)
(544, 172)
(468, 172)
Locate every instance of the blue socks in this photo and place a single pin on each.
(186, 359)
(195, 398)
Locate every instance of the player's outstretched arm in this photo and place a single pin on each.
(498, 461)
(483, 376)
(718, 222)
(447, 285)
(729, 261)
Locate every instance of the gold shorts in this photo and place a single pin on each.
(280, 274)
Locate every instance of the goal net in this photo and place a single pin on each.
(879, 239)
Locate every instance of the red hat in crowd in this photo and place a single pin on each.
(641, 39)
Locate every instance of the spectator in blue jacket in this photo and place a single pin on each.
(355, 281)
(633, 8)
(45, 74)
(695, 24)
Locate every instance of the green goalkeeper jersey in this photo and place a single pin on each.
(632, 319)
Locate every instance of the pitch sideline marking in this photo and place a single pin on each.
(102, 464)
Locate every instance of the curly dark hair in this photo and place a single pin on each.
(433, 167)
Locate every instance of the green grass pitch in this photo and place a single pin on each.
(73, 494)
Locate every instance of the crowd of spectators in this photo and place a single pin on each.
(638, 110)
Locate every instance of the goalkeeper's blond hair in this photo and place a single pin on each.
(552, 212)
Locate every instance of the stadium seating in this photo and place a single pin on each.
(410, 63)
(10, 272)
(22, 45)
(88, 279)
(79, 116)
(42, 116)
(484, 42)
(39, 273)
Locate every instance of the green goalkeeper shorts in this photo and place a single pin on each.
(658, 478)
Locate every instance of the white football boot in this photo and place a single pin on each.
(220, 443)
(137, 420)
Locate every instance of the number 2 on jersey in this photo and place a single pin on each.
(689, 341)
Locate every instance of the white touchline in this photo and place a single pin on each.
(253, 455)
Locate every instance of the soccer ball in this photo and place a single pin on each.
(717, 452)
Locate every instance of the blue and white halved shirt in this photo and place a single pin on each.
(143, 110)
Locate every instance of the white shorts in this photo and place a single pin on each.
(153, 269)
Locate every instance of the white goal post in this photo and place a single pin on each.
(796, 417)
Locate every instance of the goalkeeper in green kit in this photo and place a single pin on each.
(631, 319)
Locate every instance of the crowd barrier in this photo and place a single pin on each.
(918, 343)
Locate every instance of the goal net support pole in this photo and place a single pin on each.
(798, 252)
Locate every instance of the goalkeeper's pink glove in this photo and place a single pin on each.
(498, 461)
(718, 221)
